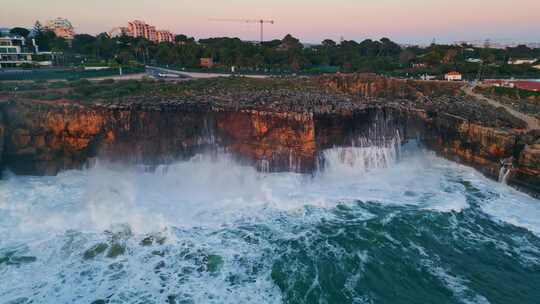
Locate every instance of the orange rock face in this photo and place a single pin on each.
(43, 139)
(271, 139)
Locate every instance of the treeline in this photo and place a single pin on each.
(289, 55)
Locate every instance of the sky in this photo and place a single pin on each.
(405, 21)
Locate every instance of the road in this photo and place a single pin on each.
(154, 71)
(532, 122)
(122, 77)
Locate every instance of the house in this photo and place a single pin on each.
(14, 51)
(522, 61)
(453, 76)
(418, 65)
(207, 62)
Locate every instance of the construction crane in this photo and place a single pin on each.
(260, 21)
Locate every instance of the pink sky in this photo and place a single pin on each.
(310, 20)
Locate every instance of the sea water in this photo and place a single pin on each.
(373, 226)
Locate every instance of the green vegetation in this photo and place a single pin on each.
(288, 55)
(284, 56)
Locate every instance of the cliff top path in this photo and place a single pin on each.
(532, 122)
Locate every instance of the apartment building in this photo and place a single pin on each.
(164, 36)
(61, 27)
(14, 51)
(139, 28)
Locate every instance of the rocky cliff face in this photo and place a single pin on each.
(373, 86)
(274, 141)
(2, 132)
(45, 137)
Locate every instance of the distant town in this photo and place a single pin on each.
(129, 47)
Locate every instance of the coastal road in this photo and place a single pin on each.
(155, 71)
(532, 122)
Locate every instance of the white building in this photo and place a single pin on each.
(428, 77)
(453, 76)
(14, 51)
(522, 61)
(474, 60)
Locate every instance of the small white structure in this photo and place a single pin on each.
(453, 76)
(474, 60)
(522, 61)
(428, 77)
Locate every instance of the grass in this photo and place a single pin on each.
(109, 90)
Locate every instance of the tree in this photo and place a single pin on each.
(406, 56)
(105, 47)
(58, 44)
(43, 38)
(19, 31)
(37, 29)
(389, 48)
(184, 39)
(289, 42)
(84, 44)
(328, 43)
(450, 56)
(367, 47)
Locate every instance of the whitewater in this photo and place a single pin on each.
(377, 224)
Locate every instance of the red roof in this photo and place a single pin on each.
(520, 84)
(453, 73)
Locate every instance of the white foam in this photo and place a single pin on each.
(193, 203)
(215, 191)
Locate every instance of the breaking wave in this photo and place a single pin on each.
(379, 224)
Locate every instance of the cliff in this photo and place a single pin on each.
(2, 134)
(44, 137)
(374, 86)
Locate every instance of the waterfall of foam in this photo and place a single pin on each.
(366, 154)
(378, 146)
(504, 173)
(506, 170)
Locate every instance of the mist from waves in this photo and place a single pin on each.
(210, 230)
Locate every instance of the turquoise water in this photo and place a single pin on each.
(418, 229)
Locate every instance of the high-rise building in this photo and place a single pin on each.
(61, 27)
(139, 28)
(164, 36)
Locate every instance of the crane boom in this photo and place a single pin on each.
(260, 21)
